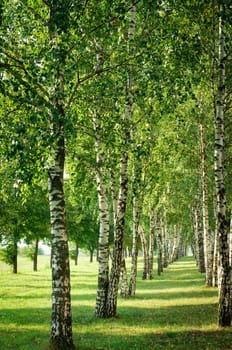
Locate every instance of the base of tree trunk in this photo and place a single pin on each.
(60, 344)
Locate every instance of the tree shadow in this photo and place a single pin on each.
(192, 340)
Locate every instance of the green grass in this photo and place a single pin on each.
(174, 311)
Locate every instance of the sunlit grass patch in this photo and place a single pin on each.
(173, 311)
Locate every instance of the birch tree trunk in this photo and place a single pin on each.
(124, 282)
(230, 241)
(61, 323)
(35, 255)
(165, 245)
(61, 326)
(137, 203)
(224, 310)
(103, 240)
(145, 252)
(15, 255)
(151, 245)
(159, 246)
(215, 261)
(123, 183)
(118, 240)
(76, 253)
(134, 260)
(198, 234)
(176, 244)
(207, 242)
(103, 205)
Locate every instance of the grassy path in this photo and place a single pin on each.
(174, 311)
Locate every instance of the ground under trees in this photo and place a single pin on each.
(173, 311)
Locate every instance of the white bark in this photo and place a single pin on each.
(176, 244)
(224, 311)
(103, 240)
(61, 323)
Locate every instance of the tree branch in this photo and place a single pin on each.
(21, 66)
(103, 23)
(96, 73)
(36, 14)
(10, 68)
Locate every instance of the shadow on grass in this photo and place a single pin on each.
(134, 328)
(141, 324)
(175, 294)
(191, 340)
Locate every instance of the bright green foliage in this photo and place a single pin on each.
(82, 217)
(50, 77)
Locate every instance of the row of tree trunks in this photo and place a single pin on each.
(123, 182)
(169, 247)
(148, 247)
(106, 304)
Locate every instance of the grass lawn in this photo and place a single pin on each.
(174, 311)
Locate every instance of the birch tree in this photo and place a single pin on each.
(151, 243)
(207, 240)
(224, 311)
(123, 182)
(198, 236)
(103, 241)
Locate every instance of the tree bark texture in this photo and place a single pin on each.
(230, 241)
(207, 241)
(124, 281)
(61, 323)
(215, 261)
(118, 239)
(103, 239)
(224, 309)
